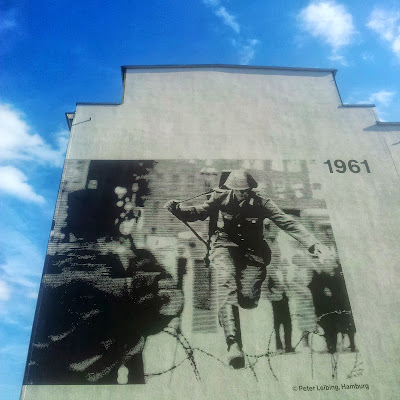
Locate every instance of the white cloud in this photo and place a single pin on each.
(15, 351)
(245, 46)
(328, 21)
(384, 23)
(368, 57)
(227, 18)
(382, 100)
(21, 269)
(8, 20)
(20, 249)
(247, 51)
(383, 97)
(340, 59)
(211, 2)
(387, 25)
(4, 291)
(17, 142)
(32, 294)
(14, 182)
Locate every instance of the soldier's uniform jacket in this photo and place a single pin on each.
(240, 224)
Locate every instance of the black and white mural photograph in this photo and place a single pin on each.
(176, 271)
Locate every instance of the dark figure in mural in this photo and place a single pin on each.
(332, 307)
(281, 313)
(100, 296)
(239, 253)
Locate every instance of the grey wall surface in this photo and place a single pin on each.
(214, 113)
(245, 113)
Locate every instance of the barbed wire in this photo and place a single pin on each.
(357, 369)
(190, 354)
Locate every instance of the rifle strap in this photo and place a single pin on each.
(195, 233)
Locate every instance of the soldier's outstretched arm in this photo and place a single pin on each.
(290, 226)
(192, 213)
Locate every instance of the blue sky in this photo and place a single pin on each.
(55, 53)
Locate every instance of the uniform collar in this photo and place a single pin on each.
(250, 201)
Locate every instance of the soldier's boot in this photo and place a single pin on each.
(352, 342)
(230, 321)
(235, 354)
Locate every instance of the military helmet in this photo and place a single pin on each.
(240, 179)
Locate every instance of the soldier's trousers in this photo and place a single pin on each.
(240, 274)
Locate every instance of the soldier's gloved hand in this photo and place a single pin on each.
(320, 251)
(172, 206)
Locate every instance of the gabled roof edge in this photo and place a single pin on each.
(70, 118)
(333, 71)
(169, 66)
(384, 123)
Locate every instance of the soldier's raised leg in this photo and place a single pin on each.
(251, 274)
(224, 260)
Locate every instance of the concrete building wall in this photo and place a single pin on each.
(248, 113)
(182, 113)
(264, 113)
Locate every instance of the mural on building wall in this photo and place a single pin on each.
(158, 270)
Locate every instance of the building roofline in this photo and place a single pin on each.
(358, 105)
(333, 71)
(94, 103)
(384, 123)
(124, 68)
(233, 66)
(70, 117)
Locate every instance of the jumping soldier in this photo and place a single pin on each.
(239, 252)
